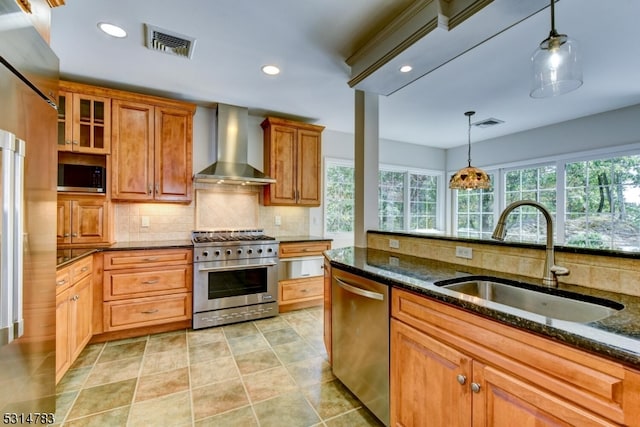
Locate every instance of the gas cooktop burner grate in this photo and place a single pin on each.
(229, 236)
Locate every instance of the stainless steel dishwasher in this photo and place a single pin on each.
(360, 339)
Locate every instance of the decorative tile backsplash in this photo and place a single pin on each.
(141, 222)
(603, 272)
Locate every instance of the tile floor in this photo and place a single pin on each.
(271, 372)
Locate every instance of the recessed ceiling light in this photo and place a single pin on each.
(112, 30)
(270, 70)
(406, 68)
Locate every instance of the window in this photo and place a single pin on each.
(603, 203)
(407, 200)
(475, 213)
(527, 224)
(339, 198)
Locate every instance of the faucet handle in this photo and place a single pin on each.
(559, 271)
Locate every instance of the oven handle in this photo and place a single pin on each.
(237, 267)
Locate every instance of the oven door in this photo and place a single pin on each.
(226, 284)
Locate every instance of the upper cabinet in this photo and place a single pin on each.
(152, 150)
(292, 156)
(84, 123)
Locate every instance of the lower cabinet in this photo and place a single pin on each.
(301, 282)
(74, 304)
(450, 367)
(146, 288)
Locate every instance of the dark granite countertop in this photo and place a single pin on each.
(67, 256)
(295, 239)
(616, 337)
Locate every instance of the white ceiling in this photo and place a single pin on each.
(310, 41)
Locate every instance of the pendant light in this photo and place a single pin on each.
(470, 178)
(556, 64)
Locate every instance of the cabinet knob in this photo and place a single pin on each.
(67, 142)
(461, 379)
(149, 190)
(66, 234)
(157, 188)
(475, 387)
(75, 143)
(74, 234)
(61, 282)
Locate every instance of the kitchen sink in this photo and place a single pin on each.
(552, 303)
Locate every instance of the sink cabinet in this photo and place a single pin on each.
(451, 367)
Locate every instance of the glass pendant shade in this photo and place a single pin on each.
(556, 64)
(470, 178)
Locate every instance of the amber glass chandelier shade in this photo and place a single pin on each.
(556, 65)
(470, 178)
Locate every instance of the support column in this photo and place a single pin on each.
(366, 166)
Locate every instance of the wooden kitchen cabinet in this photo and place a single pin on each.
(300, 289)
(450, 367)
(292, 156)
(84, 220)
(74, 304)
(84, 122)
(152, 152)
(143, 288)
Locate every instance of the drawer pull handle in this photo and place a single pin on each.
(85, 268)
(150, 311)
(61, 282)
(304, 290)
(151, 259)
(150, 282)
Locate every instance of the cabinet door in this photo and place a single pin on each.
(80, 315)
(503, 398)
(282, 166)
(65, 121)
(63, 227)
(308, 168)
(173, 148)
(132, 162)
(63, 355)
(89, 221)
(429, 380)
(91, 124)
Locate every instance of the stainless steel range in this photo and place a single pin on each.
(235, 277)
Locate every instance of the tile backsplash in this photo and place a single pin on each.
(229, 208)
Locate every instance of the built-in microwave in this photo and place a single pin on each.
(81, 178)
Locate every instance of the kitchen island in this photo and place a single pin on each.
(484, 361)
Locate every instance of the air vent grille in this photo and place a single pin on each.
(169, 42)
(487, 123)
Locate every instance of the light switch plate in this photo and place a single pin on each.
(144, 221)
(393, 243)
(464, 252)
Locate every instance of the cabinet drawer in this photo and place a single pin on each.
(81, 269)
(146, 258)
(303, 248)
(63, 279)
(150, 311)
(135, 283)
(303, 288)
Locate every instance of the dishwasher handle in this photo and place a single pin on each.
(359, 291)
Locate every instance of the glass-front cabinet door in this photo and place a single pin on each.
(84, 123)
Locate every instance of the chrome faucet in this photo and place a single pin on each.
(551, 270)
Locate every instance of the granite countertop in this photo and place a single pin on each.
(68, 256)
(293, 239)
(616, 337)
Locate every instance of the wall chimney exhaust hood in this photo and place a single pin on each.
(232, 140)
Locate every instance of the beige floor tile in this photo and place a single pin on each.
(111, 372)
(205, 336)
(281, 336)
(88, 356)
(103, 398)
(241, 417)
(331, 398)
(257, 361)
(295, 351)
(271, 323)
(239, 330)
(174, 409)
(214, 350)
(267, 384)
(63, 404)
(213, 371)
(122, 351)
(214, 399)
(73, 379)
(247, 344)
(291, 410)
(162, 384)
(358, 418)
(167, 342)
(164, 361)
(115, 417)
(311, 371)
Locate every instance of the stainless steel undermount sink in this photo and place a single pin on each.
(553, 303)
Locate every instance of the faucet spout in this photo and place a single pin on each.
(551, 271)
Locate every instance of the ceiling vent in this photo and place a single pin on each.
(169, 41)
(487, 123)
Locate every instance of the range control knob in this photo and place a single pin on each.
(217, 253)
(249, 251)
(270, 250)
(205, 253)
(239, 251)
(228, 251)
(260, 250)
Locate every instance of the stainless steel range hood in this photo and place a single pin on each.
(232, 141)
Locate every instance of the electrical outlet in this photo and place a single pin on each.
(393, 261)
(393, 243)
(464, 252)
(277, 220)
(144, 221)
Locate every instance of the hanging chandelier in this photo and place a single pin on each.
(556, 64)
(470, 178)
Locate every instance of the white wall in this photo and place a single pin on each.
(609, 129)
